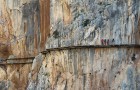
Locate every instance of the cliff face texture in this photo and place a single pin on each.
(88, 69)
(86, 22)
(24, 25)
(28, 27)
(91, 22)
(14, 77)
(22, 34)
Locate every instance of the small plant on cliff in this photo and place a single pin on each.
(56, 34)
(85, 22)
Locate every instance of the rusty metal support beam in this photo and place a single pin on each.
(91, 46)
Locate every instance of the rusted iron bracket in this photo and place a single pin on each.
(91, 46)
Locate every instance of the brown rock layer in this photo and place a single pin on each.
(24, 26)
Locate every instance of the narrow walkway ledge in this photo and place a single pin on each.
(91, 46)
(27, 60)
(21, 58)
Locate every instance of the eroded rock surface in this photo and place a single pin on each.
(22, 29)
(87, 22)
(89, 69)
(21, 36)
(27, 25)
(14, 77)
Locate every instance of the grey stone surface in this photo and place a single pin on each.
(3, 85)
(89, 69)
(89, 21)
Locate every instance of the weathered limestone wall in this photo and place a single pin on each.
(14, 77)
(87, 22)
(88, 69)
(23, 31)
(24, 26)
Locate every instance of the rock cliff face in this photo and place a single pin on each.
(24, 25)
(14, 77)
(23, 32)
(91, 22)
(87, 22)
(28, 27)
(88, 69)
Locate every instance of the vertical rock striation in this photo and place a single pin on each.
(89, 69)
(21, 36)
(91, 22)
(24, 26)
(87, 22)
(28, 27)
